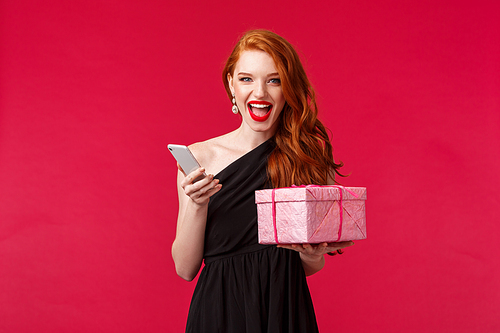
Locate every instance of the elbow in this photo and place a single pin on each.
(185, 275)
(186, 267)
(185, 271)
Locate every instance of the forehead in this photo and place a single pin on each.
(255, 61)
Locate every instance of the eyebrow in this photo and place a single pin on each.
(271, 74)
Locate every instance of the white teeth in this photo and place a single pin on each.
(260, 106)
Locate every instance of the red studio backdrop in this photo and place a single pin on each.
(92, 91)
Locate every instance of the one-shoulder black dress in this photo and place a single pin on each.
(245, 286)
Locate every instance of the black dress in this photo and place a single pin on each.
(246, 286)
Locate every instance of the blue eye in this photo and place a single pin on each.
(245, 79)
(277, 81)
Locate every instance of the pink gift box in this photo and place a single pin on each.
(311, 214)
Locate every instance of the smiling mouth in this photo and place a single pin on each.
(260, 111)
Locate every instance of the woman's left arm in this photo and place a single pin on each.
(313, 256)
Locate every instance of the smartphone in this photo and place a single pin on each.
(185, 159)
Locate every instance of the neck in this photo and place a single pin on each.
(249, 139)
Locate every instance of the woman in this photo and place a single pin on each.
(245, 286)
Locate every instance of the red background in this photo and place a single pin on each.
(92, 91)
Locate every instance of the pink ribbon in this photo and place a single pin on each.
(339, 187)
(274, 216)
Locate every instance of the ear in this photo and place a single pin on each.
(230, 81)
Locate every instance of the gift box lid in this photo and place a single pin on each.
(311, 193)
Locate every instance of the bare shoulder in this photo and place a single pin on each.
(216, 153)
(203, 150)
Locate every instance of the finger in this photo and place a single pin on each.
(197, 174)
(322, 248)
(209, 188)
(200, 187)
(306, 248)
(180, 169)
(341, 244)
(216, 189)
(317, 249)
(295, 247)
(206, 192)
(338, 246)
(311, 249)
(189, 179)
(299, 247)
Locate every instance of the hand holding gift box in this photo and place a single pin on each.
(311, 214)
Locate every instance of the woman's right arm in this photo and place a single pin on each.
(187, 249)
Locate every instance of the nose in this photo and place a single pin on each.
(260, 90)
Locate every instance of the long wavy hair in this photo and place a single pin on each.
(303, 153)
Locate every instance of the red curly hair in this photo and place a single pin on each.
(303, 153)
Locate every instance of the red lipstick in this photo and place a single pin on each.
(259, 106)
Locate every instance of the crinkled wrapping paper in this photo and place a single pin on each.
(311, 214)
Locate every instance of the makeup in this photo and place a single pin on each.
(259, 110)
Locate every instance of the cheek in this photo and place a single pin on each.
(240, 99)
(280, 101)
(241, 92)
(280, 97)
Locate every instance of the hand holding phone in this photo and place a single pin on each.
(185, 159)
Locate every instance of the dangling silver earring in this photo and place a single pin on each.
(235, 108)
